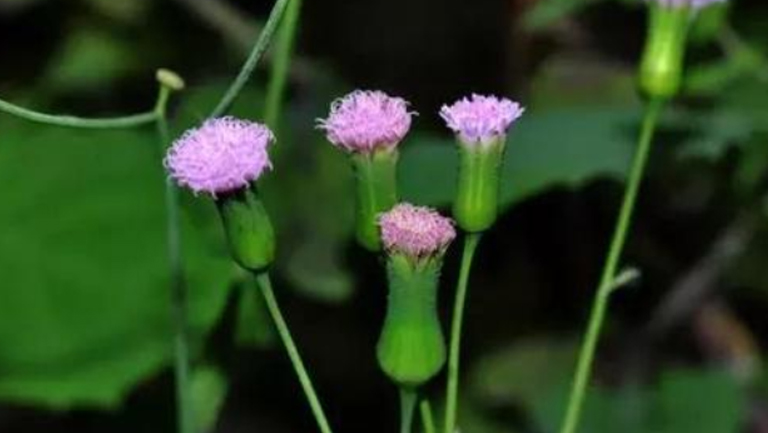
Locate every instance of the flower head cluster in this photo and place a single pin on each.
(415, 231)
(695, 4)
(481, 119)
(223, 154)
(364, 121)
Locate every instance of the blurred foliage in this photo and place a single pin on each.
(536, 373)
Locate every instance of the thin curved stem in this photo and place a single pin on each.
(607, 284)
(79, 122)
(281, 61)
(408, 400)
(452, 392)
(259, 48)
(181, 358)
(293, 353)
(427, 420)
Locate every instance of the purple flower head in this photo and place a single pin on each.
(694, 4)
(481, 119)
(415, 231)
(364, 121)
(222, 155)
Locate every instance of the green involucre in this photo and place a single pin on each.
(411, 348)
(477, 197)
(661, 67)
(249, 231)
(376, 192)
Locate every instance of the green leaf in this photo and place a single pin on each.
(709, 22)
(524, 372)
(254, 326)
(73, 65)
(126, 11)
(682, 408)
(546, 12)
(85, 290)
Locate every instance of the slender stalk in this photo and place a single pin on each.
(281, 61)
(452, 392)
(607, 285)
(181, 358)
(427, 420)
(79, 122)
(293, 353)
(253, 58)
(408, 400)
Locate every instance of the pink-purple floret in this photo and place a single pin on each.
(415, 231)
(222, 155)
(364, 121)
(481, 119)
(695, 4)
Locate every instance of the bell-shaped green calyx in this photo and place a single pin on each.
(477, 197)
(376, 192)
(411, 349)
(661, 67)
(249, 231)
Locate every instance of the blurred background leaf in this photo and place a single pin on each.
(85, 290)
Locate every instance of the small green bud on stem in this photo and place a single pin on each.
(249, 231)
(661, 68)
(376, 192)
(170, 79)
(411, 349)
(477, 199)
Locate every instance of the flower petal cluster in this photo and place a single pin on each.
(364, 121)
(481, 119)
(223, 154)
(415, 231)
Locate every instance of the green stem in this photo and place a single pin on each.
(79, 122)
(181, 358)
(427, 420)
(606, 286)
(452, 393)
(253, 58)
(281, 61)
(408, 400)
(293, 353)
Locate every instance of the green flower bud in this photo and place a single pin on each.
(411, 349)
(376, 192)
(248, 228)
(480, 124)
(661, 67)
(477, 197)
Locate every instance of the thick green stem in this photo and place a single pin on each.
(452, 392)
(181, 357)
(253, 59)
(427, 420)
(79, 122)
(408, 400)
(293, 353)
(606, 286)
(281, 62)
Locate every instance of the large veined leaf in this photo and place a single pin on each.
(84, 299)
